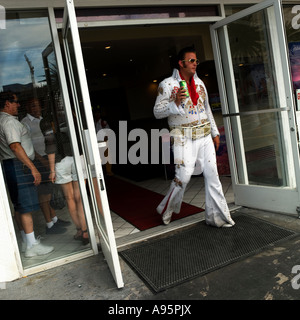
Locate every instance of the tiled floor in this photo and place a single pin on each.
(65, 245)
(195, 195)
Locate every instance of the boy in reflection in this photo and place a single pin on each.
(22, 177)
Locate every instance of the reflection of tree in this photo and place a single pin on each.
(53, 95)
(54, 116)
(246, 47)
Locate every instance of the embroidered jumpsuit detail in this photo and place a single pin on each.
(192, 128)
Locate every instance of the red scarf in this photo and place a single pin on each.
(192, 90)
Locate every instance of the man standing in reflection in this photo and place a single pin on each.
(195, 136)
(22, 177)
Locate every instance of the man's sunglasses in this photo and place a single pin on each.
(13, 101)
(192, 61)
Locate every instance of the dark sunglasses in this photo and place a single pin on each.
(13, 101)
(192, 61)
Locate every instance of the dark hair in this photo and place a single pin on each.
(6, 96)
(182, 52)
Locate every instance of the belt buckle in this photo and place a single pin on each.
(188, 132)
(198, 133)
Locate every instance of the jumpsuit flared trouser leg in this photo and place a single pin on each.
(187, 153)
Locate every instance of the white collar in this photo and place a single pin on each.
(31, 118)
(176, 75)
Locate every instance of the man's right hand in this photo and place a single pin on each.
(180, 96)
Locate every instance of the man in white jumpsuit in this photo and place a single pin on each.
(196, 139)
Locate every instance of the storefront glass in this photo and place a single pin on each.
(257, 116)
(29, 69)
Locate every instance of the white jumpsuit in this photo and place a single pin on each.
(192, 128)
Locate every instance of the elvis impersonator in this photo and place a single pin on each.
(195, 139)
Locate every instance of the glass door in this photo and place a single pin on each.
(76, 94)
(257, 106)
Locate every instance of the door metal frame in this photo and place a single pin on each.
(225, 78)
(107, 240)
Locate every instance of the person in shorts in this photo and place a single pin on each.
(63, 172)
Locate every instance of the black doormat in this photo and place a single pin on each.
(169, 261)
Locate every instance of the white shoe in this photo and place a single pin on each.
(227, 225)
(38, 249)
(167, 216)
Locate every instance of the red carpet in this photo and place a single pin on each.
(138, 205)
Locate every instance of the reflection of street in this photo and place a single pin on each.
(263, 155)
(254, 87)
(260, 132)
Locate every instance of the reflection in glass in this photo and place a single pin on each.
(80, 122)
(254, 75)
(132, 13)
(29, 69)
(262, 149)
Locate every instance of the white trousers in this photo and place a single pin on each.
(187, 154)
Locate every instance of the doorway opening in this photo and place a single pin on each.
(124, 66)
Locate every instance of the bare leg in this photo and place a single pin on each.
(27, 222)
(71, 203)
(44, 200)
(80, 211)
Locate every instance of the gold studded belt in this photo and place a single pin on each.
(192, 132)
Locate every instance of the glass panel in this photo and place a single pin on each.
(251, 59)
(254, 73)
(262, 149)
(28, 68)
(234, 8)
(133, 13)
(81, 126)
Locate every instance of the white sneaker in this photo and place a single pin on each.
(167, 216)
(38, 249)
